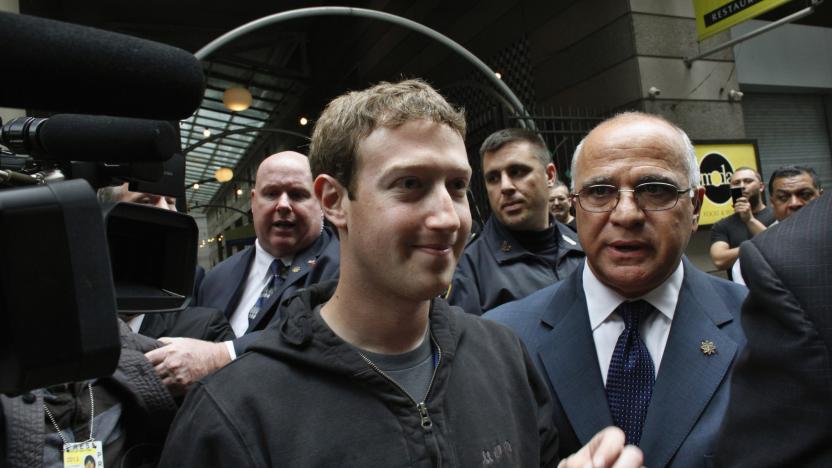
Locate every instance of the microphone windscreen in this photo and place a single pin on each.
(72, 137)
(61, 67)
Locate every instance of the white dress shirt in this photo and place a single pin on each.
(135, 323)
(258, 277)
(601, 301)
(736, 273)
(736, 270)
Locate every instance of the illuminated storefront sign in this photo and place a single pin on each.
(717, 162)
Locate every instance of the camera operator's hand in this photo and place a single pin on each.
(606, 449)
(183, 361)
(743, 208)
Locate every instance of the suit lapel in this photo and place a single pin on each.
(571, 361)
(687, 377)
(299, 269)
(238, 276)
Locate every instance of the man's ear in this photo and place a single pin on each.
(333, 199)
(698, 199)
(551, 174)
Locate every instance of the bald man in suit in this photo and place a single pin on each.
(637, 337)
(293, 250)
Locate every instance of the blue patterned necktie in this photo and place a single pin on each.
(631, 375)
(277, 270)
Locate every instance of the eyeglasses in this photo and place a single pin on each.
(649, 196)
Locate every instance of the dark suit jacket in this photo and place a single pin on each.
(781, 395)
(198, 277)
(202, 323)
(224, 284)
(691, 390)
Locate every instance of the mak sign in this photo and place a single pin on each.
(717, 163)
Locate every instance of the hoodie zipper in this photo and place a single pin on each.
(421, 407)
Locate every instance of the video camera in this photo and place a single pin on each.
(68, 264)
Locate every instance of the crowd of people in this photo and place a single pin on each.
(571, 331)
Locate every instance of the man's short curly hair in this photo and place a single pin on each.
(350, 118)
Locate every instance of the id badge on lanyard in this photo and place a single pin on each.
(88, 454)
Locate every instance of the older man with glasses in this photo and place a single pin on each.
(638, 337)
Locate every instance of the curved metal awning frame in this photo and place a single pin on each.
(516, 106)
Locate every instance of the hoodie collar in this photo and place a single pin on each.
(304, 337)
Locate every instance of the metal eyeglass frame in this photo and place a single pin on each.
(679, 192)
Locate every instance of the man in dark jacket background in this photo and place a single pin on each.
(522, 248)
(381, 372)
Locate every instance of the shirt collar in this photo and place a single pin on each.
(263, 260)
(601, 300)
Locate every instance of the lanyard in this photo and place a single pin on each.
(92, 417)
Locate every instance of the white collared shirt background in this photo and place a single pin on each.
(258, 277)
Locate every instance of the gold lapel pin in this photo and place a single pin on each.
(708, 347)
(295, 269)
(506, 247)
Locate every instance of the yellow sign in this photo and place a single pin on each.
(717, 163)
(713, 16)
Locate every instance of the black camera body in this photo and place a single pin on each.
(67, 266)
(70, 265)
(57, 302)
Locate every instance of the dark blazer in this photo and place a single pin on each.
(781, 395)
(224, 284)
(691, 390)
(198, 277)
(495, 268)
(202, 323)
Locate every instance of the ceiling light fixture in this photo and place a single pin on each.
(206, 132)
(196, 186)
(498, 75)
(236, 99)
(224, 174)
(304, 121)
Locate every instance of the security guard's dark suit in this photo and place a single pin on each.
(495, 268)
